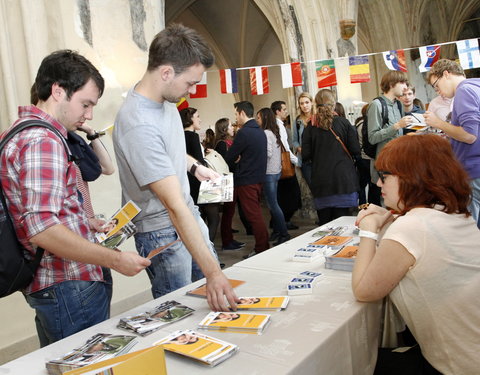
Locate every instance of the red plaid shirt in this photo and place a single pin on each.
(40, 188)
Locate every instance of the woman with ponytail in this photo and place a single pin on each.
(331, 144)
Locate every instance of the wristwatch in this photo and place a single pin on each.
(94, 136)
(194, 167)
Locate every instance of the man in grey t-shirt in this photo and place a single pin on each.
(152, 162)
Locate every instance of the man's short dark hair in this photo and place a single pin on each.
(246, 107)
(69, 70)
(277, 106)
(391, 78)
(180, 47)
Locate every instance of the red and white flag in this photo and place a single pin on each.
(291, 75)
(259, 80)
(201, 88)
(228, 81)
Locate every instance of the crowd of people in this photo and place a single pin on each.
(418, 235)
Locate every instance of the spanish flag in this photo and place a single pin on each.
(182, 103)
(359, 69)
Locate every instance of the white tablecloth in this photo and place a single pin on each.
(327, 332)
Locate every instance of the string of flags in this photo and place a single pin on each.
(359, 69)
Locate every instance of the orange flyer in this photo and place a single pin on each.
(201, 291)
(263, 303)
(333, 240)
(235, 321)
(347, 252)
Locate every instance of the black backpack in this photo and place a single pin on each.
(369, 149)
(17, 271)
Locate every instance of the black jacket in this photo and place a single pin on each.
(251, 145)
(333, 172)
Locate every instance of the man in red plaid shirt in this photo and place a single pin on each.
(39, 183)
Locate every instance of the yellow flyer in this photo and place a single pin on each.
(263, 303)
(235, 321)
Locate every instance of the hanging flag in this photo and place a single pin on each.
(228, 81)
(359, 69)
(468, 53)
(326, 75)
(259, 80)
(182, 103)
(395, 60)
(429, 55)
(291, 75)
(201, 88)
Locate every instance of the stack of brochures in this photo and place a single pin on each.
(206, 349)
(235, 322)
(343, 260)
(150, 321)
(274, 303)
(98, 348)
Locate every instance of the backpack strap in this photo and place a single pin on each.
(17, 129)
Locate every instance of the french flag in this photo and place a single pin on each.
(429, 55)
(228, 81)
(201, 88)
(395, 60)
(259, 80)
(291, 75)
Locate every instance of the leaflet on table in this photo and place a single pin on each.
(216, 191)
(119, 227)
(333, 240)
(206, 349)
(152, 320)
(343, 260)
(99, 347)
(235, 322)
(201, 291)
(263, 303)
(147, 361)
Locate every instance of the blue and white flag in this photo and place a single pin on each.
(468, 53)
(429, 55)
(395, 60)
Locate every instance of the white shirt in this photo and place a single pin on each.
(284, 139)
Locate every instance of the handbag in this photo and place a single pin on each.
(288, 169)
(216, 162)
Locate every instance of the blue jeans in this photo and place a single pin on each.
(67, 308)
(174, 267)
(474, 206)
(270, 186)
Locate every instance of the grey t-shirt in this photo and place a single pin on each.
(149, 146)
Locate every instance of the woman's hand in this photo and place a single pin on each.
(373, 218)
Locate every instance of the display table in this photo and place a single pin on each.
(327, 332)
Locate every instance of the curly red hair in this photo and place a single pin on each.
(428, 172)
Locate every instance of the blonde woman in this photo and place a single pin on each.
(306, 110)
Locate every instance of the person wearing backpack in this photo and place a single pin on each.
(38, 179)
(385, 120)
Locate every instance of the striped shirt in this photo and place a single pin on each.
(40, 187)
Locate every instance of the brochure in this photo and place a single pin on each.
(333, 240)
(99, 347)
(201, 291)
(343, 260)
(150, 321)
(119, 227)
(216, 191)
(235, 322)
(205, 349)
(275, 303)
(149, 361)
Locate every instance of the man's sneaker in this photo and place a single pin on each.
(231, 246)
(274, 236)
(238, 243)
(253, 253)
(291, 226)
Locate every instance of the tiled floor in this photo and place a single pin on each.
(231, 257)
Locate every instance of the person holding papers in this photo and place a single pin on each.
(422, 251)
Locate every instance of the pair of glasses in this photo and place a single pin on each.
(383, 175)
(434, 84)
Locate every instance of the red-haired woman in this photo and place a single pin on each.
(423, 252)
